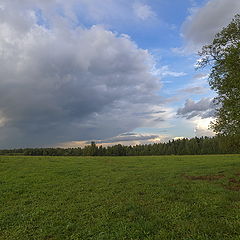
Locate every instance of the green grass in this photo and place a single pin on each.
(100, 198)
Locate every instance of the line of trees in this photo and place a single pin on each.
(193, 146)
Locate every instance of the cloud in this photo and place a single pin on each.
(143, 11)
(200, 76)
(204, 108)
(164, 71)
(150, 113)
(3, 120)
(193, 90)
(110, 13)
(104, 12)
(202, 132)
(128, 137)
(203, 23)
(202, 127)
(63, 83)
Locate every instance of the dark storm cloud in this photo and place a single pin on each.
(67, 83)
(204, 108)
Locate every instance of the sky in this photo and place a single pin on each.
(109, 71)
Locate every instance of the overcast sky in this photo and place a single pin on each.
(112, 71)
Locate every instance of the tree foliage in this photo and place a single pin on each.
(223, 55)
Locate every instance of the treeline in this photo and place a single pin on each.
(193, 146)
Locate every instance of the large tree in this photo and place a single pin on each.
(223, 55)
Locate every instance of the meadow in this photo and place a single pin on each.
(116, 198)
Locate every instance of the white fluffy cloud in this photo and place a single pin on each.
(202, 128)
(202, 25)
(62, 83)
(143, 11)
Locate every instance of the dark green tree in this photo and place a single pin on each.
(223, 55)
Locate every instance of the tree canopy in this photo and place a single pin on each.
(223, 55)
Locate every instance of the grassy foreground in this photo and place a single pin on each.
(169, 197)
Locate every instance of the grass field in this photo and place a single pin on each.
(169, 197)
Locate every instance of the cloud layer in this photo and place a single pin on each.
(61, 82)
(129, 137)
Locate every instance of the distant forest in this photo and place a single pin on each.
(193, 146)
